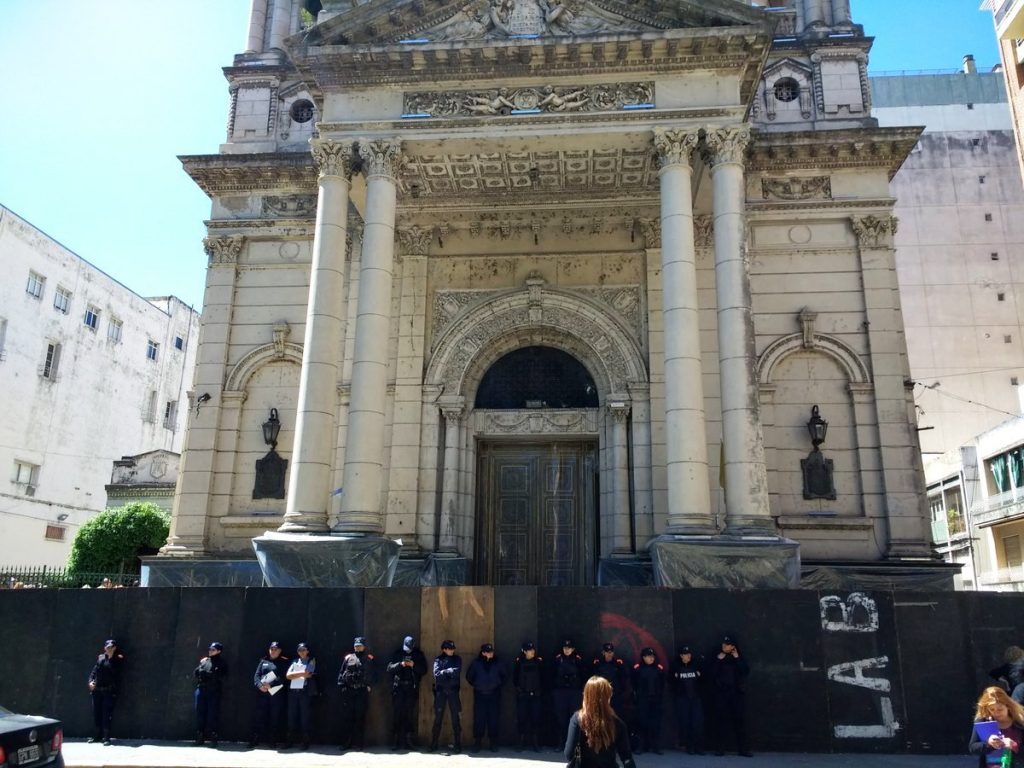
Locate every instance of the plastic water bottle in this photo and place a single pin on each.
(1006, 761)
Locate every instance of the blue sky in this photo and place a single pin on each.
(101, 96)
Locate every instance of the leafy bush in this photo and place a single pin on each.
(113, 540)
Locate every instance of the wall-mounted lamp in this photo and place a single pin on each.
(817, 470)
(62, 517)
(817, 427)
(271, 429)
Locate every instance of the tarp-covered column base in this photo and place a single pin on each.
(729, 562)
(303, 560)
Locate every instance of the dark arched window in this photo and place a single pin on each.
(537, 377)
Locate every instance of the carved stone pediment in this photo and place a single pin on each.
(386, 21)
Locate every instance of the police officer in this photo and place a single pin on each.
(271, 696)
(613, 669)
(686, 675)
(567, 687)
(303, 687)
(528, 679)
(407, 667)
(729, 673)
(447, 678)
(209, 679)
(356, 678)
(648, 688)
(487, 675)
(104, 685)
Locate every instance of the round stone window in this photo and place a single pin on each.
(301, 111)
(787, 89)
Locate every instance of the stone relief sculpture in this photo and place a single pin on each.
(510, 18)
(550, 98)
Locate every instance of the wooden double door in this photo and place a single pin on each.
(537, 520)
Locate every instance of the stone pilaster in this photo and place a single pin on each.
(430, 437)
(746, 477)
(899, 451)
(188, 534)
(453, 410)
(689, 498)
(309, 486)
(618, 418)
(643, 480)
(361, 507)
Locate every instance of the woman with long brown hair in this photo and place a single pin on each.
(596, 731)
(1007, 717)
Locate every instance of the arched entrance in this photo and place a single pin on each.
(537, 499)
(534, 390)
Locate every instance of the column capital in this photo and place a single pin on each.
(453, 413)
(223, 249)
(381, 157)
(727, 145)
(619, 411)
(674, 146)
(333, 158)
(874, 231)
(415, 240)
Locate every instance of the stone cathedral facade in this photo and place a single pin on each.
(546, 292)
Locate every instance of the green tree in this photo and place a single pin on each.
(113, 540)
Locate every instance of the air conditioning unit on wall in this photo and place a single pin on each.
(30, 490)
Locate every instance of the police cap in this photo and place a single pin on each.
(448, 644)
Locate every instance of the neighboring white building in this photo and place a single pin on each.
(148, 477)
(89, 372)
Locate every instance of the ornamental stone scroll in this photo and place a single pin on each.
(874, 231)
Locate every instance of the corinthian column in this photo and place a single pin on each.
(361, 509)
(618, 415)
(453, 418)
(689, 497)
(309, 486)
(746, 477)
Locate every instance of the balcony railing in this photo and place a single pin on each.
(1002, 505)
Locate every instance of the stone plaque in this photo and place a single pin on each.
(527, 18)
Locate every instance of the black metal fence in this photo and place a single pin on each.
(47, 577)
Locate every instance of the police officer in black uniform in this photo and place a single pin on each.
(567, 678)
(487, 674)
(407, 667)
(528, 679)
(209, 680)
(686, 675)
(104, 685)
(356, 678)
(729, 671)
(649, 690)
(447, 678)
(271, 697)
(613, 669)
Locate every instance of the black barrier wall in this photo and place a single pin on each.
(850, 672)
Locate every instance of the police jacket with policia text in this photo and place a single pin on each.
(447, 672)
(106, 673)
(278, 666)
(528, 675)
(210, 673)
(357, 671)
(686, 678)
(403, 677)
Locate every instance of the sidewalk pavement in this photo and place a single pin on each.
(177, 754)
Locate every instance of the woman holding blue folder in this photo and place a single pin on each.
(998, 730)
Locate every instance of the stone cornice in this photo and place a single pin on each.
(826, 150)
(228, 174)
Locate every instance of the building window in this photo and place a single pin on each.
(51, 362)
(55, 532)
(92, 317)
(1001, 296)
(3, 339)
(1007, 339)
(994, 256)
(35, 285)
(179, 343)
(170, 414)
(62, 300)
(152, 348)
(149, 410)
(301, 111)
(1011, 551)
(27, 475)
(787, 89)
(114, 330)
